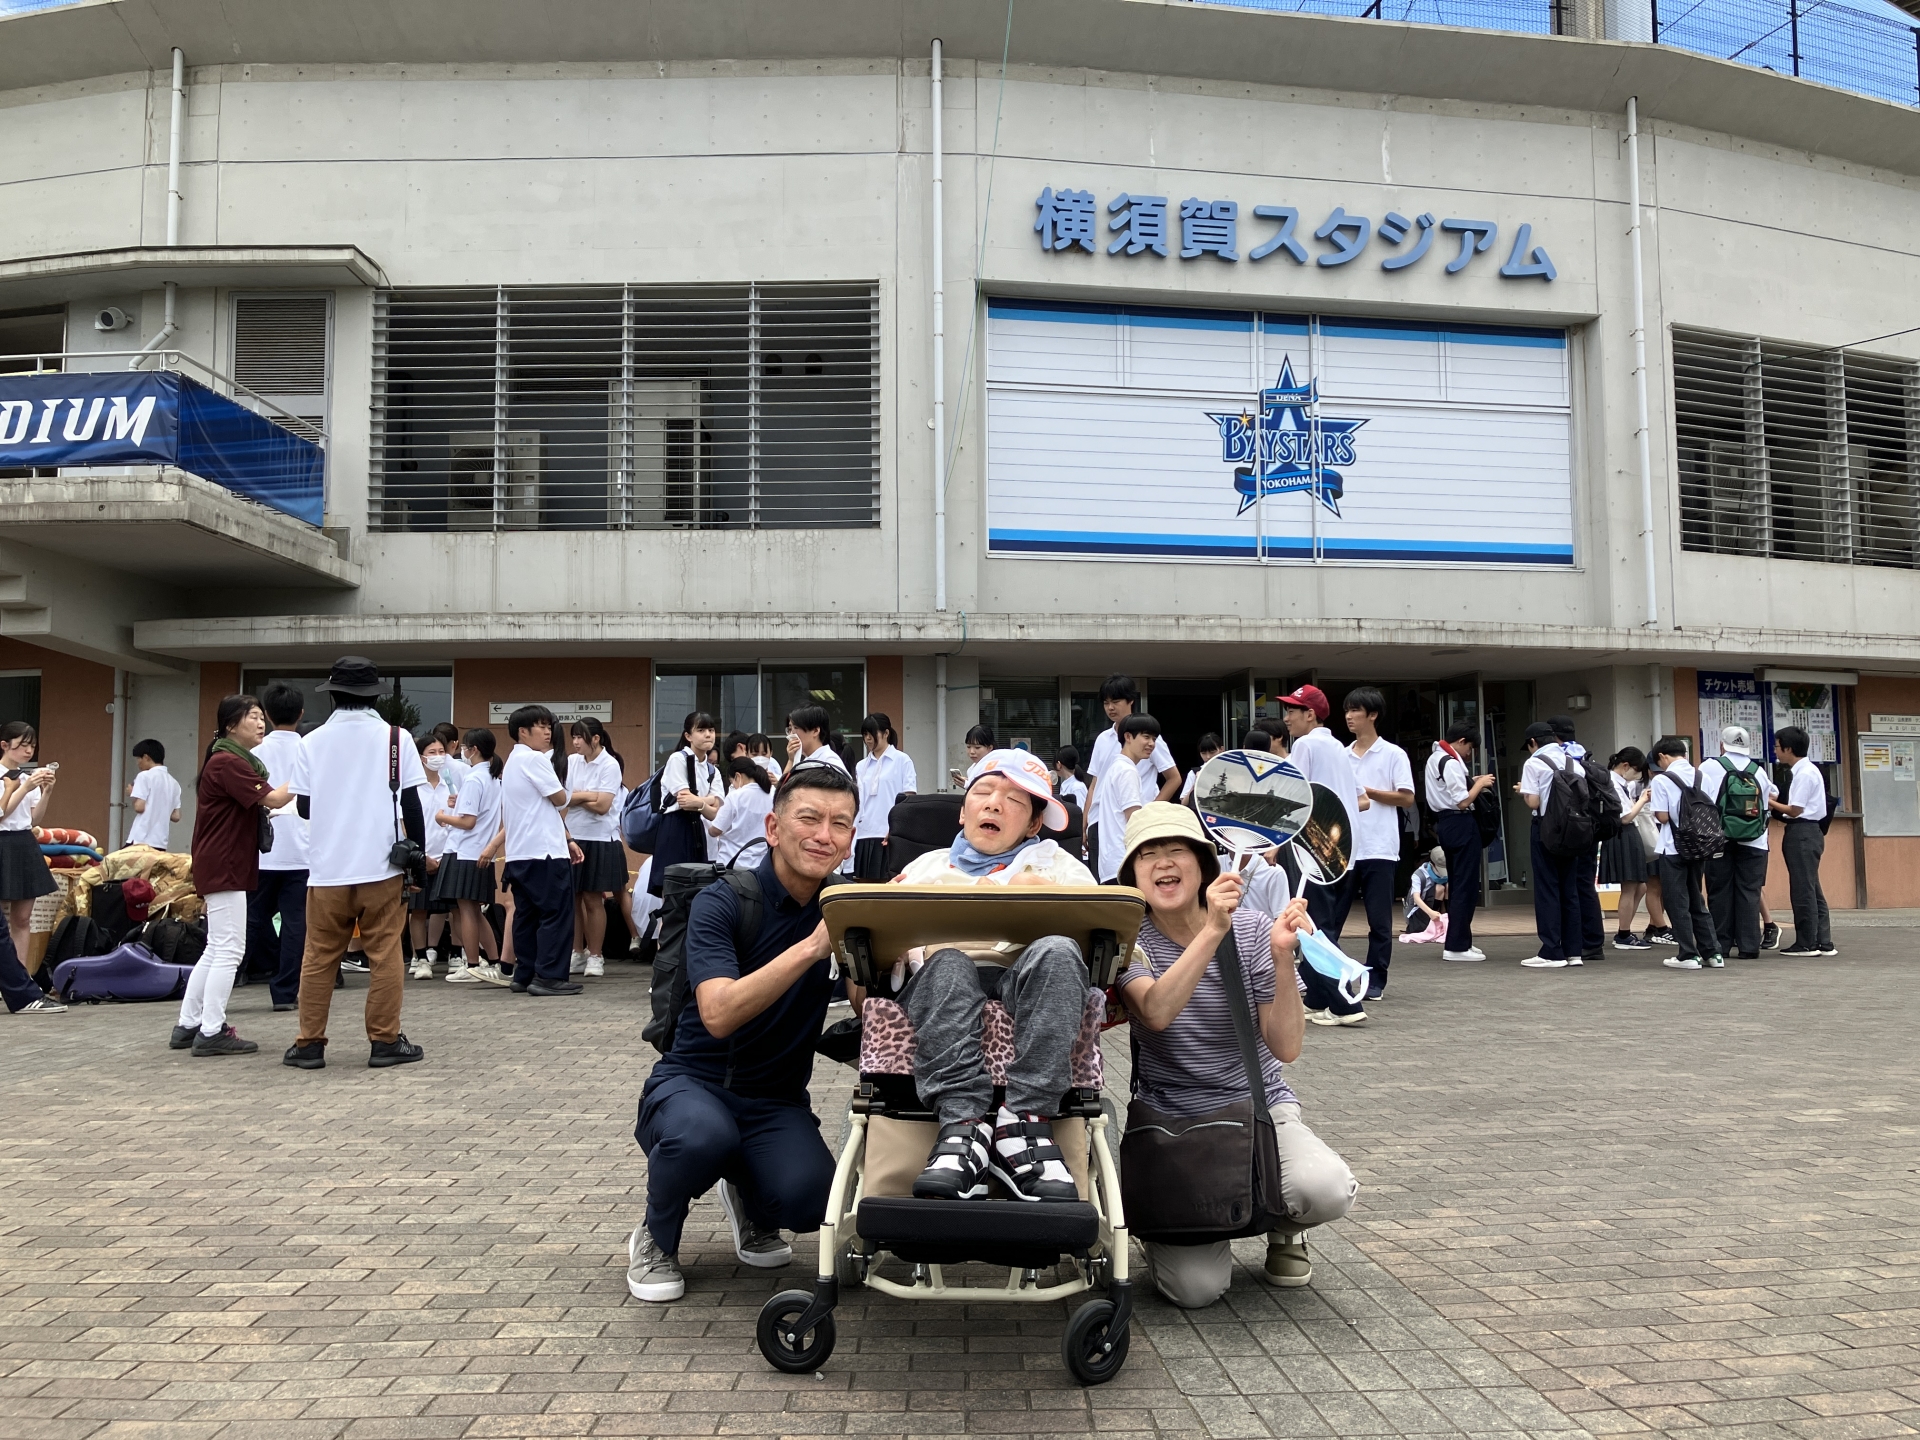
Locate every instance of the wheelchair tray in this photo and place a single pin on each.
(871, 926)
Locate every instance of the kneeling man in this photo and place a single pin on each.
(1044, 991)
(729, 1105)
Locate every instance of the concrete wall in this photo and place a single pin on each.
(76, 729)
(167, 708)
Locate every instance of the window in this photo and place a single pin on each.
(20, 696)
(738, 407)
(1024, 714)
(416, 699)
(754, 698)
(1795, 453)
(280, 354)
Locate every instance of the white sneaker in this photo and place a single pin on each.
(1319, 1017)
(422, 969)
(463, 975)
(1573, 960)
(433, 958)
(761, 1248)
(596, 965)
(1327, 1017)
(652, 1275)
(1541, 962)
(1472, 952)
(577, 962)
(493, 975)
(1675, 962)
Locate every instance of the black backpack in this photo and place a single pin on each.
(74, 938)
(1567, 829)
(1695, 826)
(175, 941)
(1603, 801)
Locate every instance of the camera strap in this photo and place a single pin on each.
(393, 776)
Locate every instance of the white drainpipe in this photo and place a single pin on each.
(169, 327)
(1643, 433)
(939, 352)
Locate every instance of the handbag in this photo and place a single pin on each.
(1195, 1179)
(263, 840)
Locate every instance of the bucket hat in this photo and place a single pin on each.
(1163, 820)
(354, 675)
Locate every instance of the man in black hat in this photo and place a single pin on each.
(355, 777)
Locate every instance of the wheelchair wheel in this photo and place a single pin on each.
(794, 1354)
(1093, 1354)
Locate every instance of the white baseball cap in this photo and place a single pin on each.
(1735, 736)
(1029, 772)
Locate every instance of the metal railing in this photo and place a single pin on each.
(220, 384)
(1818, 40)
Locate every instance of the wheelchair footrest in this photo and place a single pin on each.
(1019, 1234)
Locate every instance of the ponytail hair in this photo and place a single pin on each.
(588, 728)
(741, 765)
(481, 739)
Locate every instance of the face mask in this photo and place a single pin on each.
(433, 762)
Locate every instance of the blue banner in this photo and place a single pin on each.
(51, 419)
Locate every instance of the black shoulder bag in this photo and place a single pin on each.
(1195, 1179)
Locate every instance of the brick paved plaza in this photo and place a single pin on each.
(1593, 1203)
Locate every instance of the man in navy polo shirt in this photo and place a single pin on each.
(729, 1105)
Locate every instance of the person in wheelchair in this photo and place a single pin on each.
(1009, 799)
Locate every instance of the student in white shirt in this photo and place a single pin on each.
(474, 826)
(760, 751)
(426, 912)
(1208, 747)
(1803, 840)
(455, 769)
(344, 778)
(884, 775)
(156, 797)
(1159, 776)
(807, 732)
(1556, 895)
(1452, 789)
(1067, 781)
(540, 856)
(594, 775)
(1680, 879)
(282, 889)
(1735, 876)
(1118, 793)
(690, 794)
(24, 876)
(1318, 754)
(741, 820)
(1385, 777)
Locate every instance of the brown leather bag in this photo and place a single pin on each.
(1195, 1179)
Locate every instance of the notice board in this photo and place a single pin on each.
(1889, 785)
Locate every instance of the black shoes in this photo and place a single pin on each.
(553, 987)
(225, 1043)
(288, 1006)
(183, 1037)
(518, 988)
(398, 1051)
(1770, 936)
(957, 1167)
(311, 1056)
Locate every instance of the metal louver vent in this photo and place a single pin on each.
(280, 345)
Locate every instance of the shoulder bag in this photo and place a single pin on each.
(1195, 1179)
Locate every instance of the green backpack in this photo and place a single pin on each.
(1742, 801)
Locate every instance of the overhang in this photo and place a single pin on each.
(166, 525)
(1062, 643)
(52, 279)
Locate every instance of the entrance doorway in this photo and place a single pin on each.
(1186, 710)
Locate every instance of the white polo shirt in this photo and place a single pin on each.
(534, 828)
(153, 825)
(1106, 749)
(1075, 789)
(883, 779)
(342, 770)
(277, 752)
(1667, 786)
(1119, 792)
(479, 797)
(601, 775)
(1321, 757)
(826, 754)
(1536, 776)
(1808, 790)
(1447, 780)
(1713, 774)
(1376, 830)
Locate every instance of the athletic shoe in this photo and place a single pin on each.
(1318, 1017)
(596, 966)
(1681, 962)
(421, 969)
(182, 1037)
(957, 1165)
(225, 1043)
(1288, 1264)
(1027, 1160)
(1472, 952)
(311, 1056)
(1541, 962)
(463, 974)
(1770, 936)
(42, 1006)
(1598, 952)
(1661, 935)
(1829, 949)
(355, 967)
(577, 962)
(517, 987)
(433, 957)
(1573, 960)
(755, 1245)
(1747, 955)
(1715, 962)
(557, 987)
(491, 975)
(1627, 940)
(397, 1051)
(1327, 1017)
(1802, 951)
(652, 1274)
(284, 1005)
(1376, 993)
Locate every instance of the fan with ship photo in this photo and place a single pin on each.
(1251, 802)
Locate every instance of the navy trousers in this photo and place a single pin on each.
(282, 893)
(16, 986)
(695, 1135)
(1593, 920)
(1374, 880)
(1556, 900)
(542, 919)
(1327, 907)
(1459, 836)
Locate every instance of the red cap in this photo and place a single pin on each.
(1309, 697)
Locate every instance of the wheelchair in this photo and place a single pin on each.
(875, 1233)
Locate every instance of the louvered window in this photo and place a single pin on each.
(1796, 453)
(637, 407)
(280, 353)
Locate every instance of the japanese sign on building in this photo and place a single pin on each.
(1145, 224)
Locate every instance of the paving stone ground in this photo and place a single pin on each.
(1617, 1200)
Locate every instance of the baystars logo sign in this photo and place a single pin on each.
(1289, 460)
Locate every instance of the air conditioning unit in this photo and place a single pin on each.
(470, 481)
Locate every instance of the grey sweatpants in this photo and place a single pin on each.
(1045, 994)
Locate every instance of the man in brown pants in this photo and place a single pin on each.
(355, 780)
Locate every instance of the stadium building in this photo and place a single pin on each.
(939, 358)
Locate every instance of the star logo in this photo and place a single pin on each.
(1289, 459)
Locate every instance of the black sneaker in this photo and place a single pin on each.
(1829, 949)
(957, 1164)
(1801, 951)
(397, 1051)
(1747, 955)
(1661, 935)
(311, 1056)
(1770, 936)
(288, 1005)
(518, 988)
(1599, 952)
(355, 967)
(1627, 940)
(554, 987)
(1028, 1162)
(225, 1043)
(183, 1037)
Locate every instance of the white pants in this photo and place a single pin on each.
(212, 979)
(1316, 1185)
